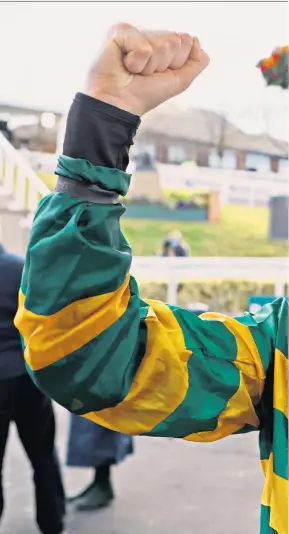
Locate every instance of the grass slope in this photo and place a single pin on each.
(242, 231)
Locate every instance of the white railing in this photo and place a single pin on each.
(18, 180)
(40, 161)
(175, 270)
(235, 187)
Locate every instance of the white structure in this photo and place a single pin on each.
(176, 270)
(18, 180)
(20, 192)
(235, 187)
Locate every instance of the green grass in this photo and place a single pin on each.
(242, 231)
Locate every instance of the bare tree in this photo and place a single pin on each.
(268, 128)
(220, 131)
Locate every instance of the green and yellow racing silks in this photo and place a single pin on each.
(140, 366)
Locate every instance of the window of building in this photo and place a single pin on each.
(176, 154)
(260, 162)
(228, 161)
(147, 148)
(284, 166)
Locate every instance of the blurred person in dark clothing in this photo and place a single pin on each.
(175, 245)
(167, 249)
(22, 402)
(91, 445)
(181, 248)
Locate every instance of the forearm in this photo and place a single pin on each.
(76, 285)
(99, 133)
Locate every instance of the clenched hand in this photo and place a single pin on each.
(138, 70)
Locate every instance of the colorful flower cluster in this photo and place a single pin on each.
(275, 67)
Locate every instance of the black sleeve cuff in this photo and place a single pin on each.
(99, 132)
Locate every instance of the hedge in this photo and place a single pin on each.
(225, 296)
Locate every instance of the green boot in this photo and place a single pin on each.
(98, 496)
(81, 494)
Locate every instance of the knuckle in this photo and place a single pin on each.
(123, 26)
(175, 38)
(207, 59)
(204, 59)
(146, 49)
(119, 28)
(186, 39)
(163, 46)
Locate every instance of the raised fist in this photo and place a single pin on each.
(138, 70)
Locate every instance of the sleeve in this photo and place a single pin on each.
(139, 366)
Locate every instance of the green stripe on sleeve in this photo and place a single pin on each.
(213, 378)
(76, 250)
(82, 170)
(100, 373)
(265, 519)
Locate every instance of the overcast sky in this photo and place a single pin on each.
(45, 49)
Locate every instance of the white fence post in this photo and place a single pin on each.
(1, 164)
(14, 161)
(8, 175)
(20, 189)
(172, 270)
(32, 198)
(279, 287)
(172, 293)
(243, 187)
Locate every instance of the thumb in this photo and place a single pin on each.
(198, 60)
(134, 46)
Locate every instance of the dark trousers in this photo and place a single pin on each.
(22, 402)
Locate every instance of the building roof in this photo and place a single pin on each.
(208, 127)
(25, 110)
(197, 125)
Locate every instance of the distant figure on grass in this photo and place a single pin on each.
(175, 245)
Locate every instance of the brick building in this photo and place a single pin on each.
(170, 135)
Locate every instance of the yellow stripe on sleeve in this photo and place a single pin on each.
(240, 409)
(161, 382)
(238, 412)
(275, 495)
(50, 338)
(281, 370)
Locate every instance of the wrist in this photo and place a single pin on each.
(133, 107)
